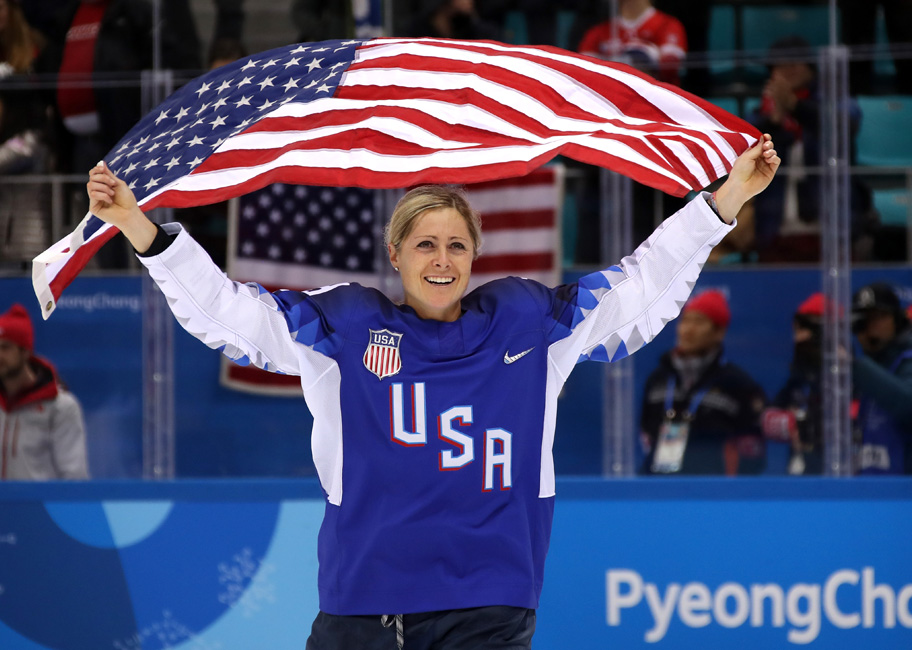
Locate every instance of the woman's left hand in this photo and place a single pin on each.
(751, 174)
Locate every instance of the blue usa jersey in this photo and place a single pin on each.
(433, 440)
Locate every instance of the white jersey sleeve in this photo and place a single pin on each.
(618, 310)
(245, 321)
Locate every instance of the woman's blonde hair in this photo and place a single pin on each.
(17, 43)
(431, 197)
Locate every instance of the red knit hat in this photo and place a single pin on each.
(16, 326)
(711, 304)
(815, 305)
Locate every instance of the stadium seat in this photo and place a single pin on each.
(721, 39)
(729, 104)
(893, 206)
(764, 25)
(885, 138)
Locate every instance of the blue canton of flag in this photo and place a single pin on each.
(190, 125)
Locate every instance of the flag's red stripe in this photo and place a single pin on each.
(257, 376)
(513, 263)
(511, 220)
(541, 176)
(79, 259)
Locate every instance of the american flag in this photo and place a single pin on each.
(388, 113)
(302, 237)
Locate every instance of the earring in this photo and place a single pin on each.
(396, 269)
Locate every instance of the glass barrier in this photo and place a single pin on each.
(836, 219)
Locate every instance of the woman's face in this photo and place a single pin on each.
(435, 262)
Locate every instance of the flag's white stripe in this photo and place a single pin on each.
(679, 108)
(518, 241)
(693, 166)
(518, 198)
(346, 159)
(297, 276)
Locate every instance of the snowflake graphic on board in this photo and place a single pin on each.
(170, 633)
(246, 583)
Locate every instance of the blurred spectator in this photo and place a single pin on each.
(641, 36)
(701, 413)
(98, 49)
(453, 19)
(882, 378)
(42, 434)
(790, 111)
(859, 21)
(23, 122)
(319, 21)
(795, 415)
(695, 18)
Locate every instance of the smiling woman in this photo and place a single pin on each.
(439, 534)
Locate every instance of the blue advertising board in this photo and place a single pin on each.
(676, 563)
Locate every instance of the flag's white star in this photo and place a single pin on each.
(221, 102)
(292, 62)
(202, 108)
(142, 141)
(196, 161)
(248, 65)
(173, 143)
(243, 101)
(269, 63)
(323, 88)
(351, 42)
(152, 163)
(171, 163)
(244, 82)
(218, 121)
(299, 49)
(225, 86)
(202, 89)
(314, 64)
(321, 49)
(266, 82)
(154, 146)
(125, 145)
(336, 65)
(266, 104)
(132, 184)
(130, 168)
(291, 83)
(161, 116)
(152, 183)
(196, 140)
(181, 113)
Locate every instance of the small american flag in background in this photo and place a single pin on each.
(390, 113)
(303, 237)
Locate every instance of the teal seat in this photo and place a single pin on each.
(893, 206)
(515, 30)
(885, 137)
(721, 39)
(764, 25)
(729, 104)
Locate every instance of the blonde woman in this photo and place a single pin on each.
(434, 419)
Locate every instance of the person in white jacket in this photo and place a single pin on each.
(42, 432)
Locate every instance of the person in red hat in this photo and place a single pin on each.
(795, 414)
(42, 434)
(701, 413)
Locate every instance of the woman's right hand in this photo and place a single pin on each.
(112, 201)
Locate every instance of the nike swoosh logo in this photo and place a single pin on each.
(516, 357)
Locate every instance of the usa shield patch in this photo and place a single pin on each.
(382, 354)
